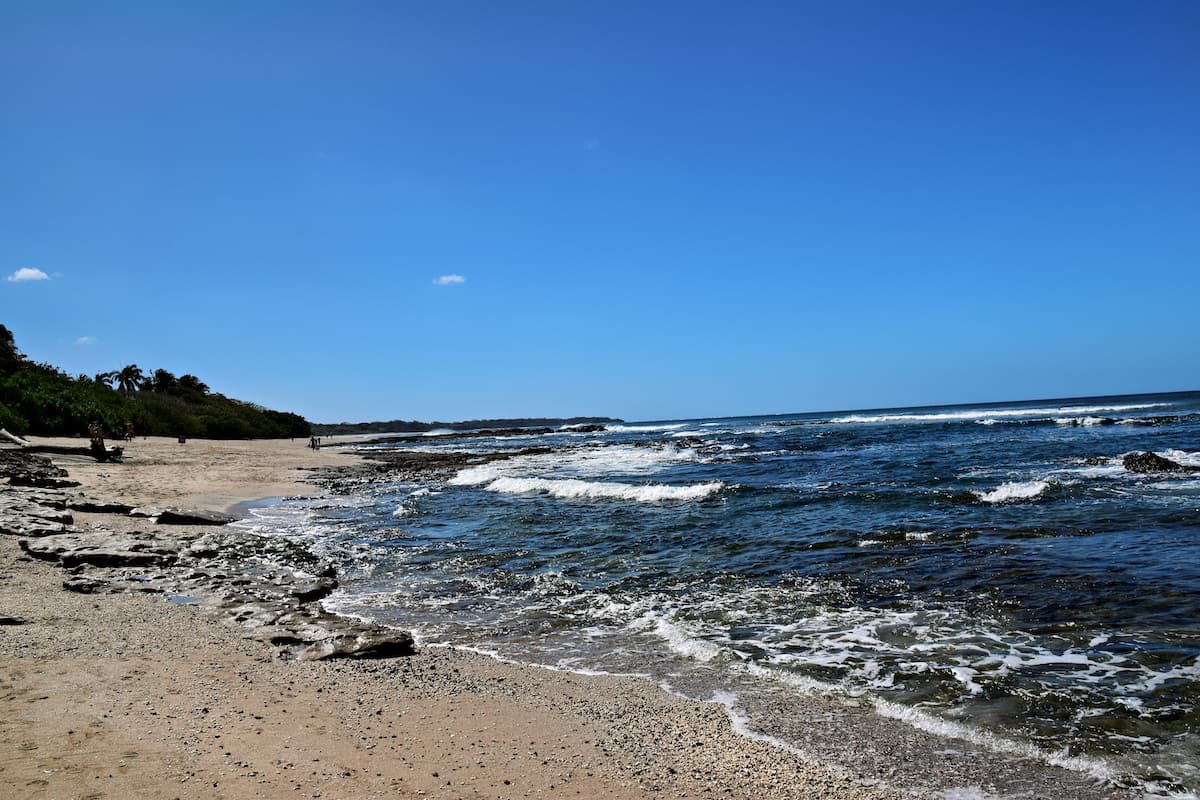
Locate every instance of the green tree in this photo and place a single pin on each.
(193, 384)
(10, 356)
(163, 382)
(130, 379)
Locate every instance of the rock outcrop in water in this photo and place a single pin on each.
(1152, 463)
(270, 586)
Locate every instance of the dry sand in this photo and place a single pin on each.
(121, 696)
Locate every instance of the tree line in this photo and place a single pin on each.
(40, 399)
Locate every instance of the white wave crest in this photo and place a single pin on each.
(679, 639)
(1013, 491)
(929, 723)
(1182, 457)
(1086, 422)
(994, 414)
(595, 490)
(646, 428)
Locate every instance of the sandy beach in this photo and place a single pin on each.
(129, 695)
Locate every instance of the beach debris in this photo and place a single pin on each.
(17, 440)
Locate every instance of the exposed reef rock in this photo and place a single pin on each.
(270, 586)
(26, 469)
(1152, 463)
(183, 516)
(406, 465)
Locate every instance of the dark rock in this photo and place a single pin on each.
(315, 590)
(90, 506)
(85, 584)
(13, 621)
(1151, 463)
(183, 516)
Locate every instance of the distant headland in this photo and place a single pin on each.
(413, 426)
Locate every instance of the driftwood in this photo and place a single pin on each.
(99, 453)
(14, 439)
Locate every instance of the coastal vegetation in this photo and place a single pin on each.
(41, 399)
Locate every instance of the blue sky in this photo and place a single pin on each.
(654, 209)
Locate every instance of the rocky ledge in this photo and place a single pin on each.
(270, 586)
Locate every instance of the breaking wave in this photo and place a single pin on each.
(595, 490)
(1014, 491)
(994, 414)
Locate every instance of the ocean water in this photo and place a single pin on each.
(990, 572)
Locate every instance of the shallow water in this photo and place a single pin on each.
(992, 568)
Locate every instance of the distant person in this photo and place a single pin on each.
(129, 431)
(96, 435)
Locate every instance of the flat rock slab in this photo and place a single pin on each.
(92, 506)
(184, 516)
(103, 549)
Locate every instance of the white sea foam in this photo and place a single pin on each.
(674, 426)
(579, 463)
(927, 722)
(597, 490)
(741, 725)
(994, 414)
(1014, 491)
(1182, 457)
(408, 507)
(1086, 422)
(679, 639)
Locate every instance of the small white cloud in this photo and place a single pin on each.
(447, 280)
(85, 340)
(28, 274)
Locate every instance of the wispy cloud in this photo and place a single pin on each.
(449, 280)
(85, 340)
(28, 274)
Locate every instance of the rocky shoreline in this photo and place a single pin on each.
(271, 587)
(122, 693)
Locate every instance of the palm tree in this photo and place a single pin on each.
(162, 381)
(130, 379)
(193, 384)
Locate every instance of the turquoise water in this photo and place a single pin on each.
(991, 568)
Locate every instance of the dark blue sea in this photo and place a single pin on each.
(990, 572)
